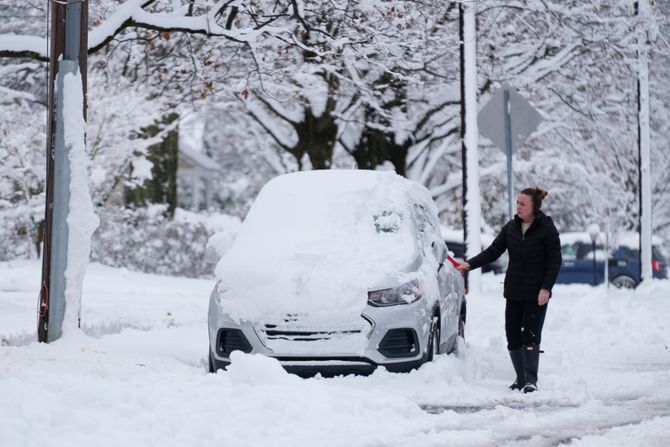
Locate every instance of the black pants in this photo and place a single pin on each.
(523, 323)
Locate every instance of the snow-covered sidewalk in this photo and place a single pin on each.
(137, 376)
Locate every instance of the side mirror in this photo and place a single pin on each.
(217, 246)
(211, 256)
(439, 251)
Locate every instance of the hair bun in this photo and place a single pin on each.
(541, 193)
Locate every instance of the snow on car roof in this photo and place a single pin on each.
(319, 240)
(630, 239)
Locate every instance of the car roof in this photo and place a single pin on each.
(341, 181)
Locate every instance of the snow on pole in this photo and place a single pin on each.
(81, 219)
(473, 202)
(74, 219)
(59, 204)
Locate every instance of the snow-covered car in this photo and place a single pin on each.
(338, 271)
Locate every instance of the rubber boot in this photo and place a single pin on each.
(518, 362)
(531, 357)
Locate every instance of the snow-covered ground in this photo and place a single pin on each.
(136, 376)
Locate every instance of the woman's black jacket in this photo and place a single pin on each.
(534, 258)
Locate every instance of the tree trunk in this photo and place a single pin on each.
(162, 187)
(377, 146)
(316, 138)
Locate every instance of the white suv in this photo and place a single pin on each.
(338, 271)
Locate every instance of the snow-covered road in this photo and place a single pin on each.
(137, 376)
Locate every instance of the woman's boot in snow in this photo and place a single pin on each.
(518, 361)
(531, 357)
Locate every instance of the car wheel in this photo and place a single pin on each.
(434, 340)
(461, 323)
(624, 282)
(211, 363)
(459, 342)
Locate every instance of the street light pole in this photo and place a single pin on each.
(643, 11)
(593, 249)
(469, 135)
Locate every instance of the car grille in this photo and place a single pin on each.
(280, 334)
(296, 327)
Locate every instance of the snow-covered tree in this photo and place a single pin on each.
(304, 84)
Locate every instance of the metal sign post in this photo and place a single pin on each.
(508, 152)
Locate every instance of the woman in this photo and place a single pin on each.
(534, 261)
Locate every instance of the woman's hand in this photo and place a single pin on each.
(463, 267)
(543, 297)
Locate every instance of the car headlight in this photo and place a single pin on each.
(404, 294)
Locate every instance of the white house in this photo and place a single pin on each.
(195, 174)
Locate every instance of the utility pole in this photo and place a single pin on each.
(469, 137)
(67, 52)
(643, 13)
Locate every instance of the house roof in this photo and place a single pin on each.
(198, 158)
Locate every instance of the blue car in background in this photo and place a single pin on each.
(624, 263)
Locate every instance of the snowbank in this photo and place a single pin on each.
(138, 376)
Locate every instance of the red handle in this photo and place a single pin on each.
(454, 262)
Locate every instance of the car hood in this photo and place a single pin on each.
(309, 282)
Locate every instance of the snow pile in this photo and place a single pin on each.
(142, 380)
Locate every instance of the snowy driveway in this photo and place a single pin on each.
(138, 378)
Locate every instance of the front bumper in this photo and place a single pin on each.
(309, 367)
(393, 337)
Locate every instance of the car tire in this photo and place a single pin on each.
(459, 340)
(434, 340)
(624, 282)
(211, 363)
(461, 323)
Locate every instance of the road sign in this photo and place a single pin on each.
(507, 120)
(524, 118)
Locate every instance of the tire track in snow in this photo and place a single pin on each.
(559, 423)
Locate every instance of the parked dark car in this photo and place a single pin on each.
(624, 263)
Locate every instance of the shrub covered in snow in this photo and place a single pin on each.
(19, 229)
(141, 239)
(145, 240)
